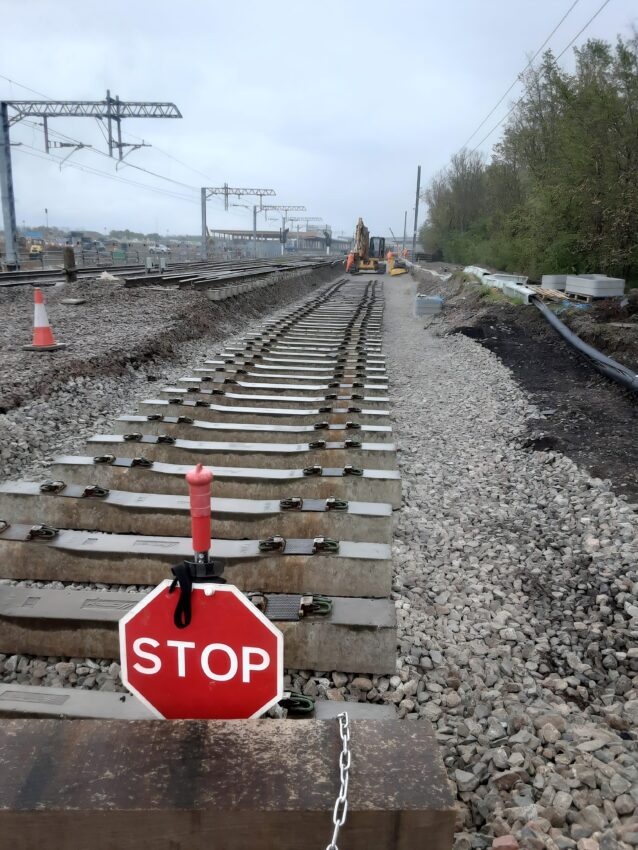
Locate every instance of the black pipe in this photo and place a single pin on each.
(605, 365)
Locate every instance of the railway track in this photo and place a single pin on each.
(197, 273)
(295, 424)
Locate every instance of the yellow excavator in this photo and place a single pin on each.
(368, 253)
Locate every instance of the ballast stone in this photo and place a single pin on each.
(503, 606)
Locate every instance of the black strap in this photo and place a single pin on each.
(184, 578)
(184, 574)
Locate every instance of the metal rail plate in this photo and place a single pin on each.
(240, 365)
(275, 364)
(71, 540)
(231, 431)
(334, 413)
(74, 703)
(259, 359)
(289, 333)
(32, 701)
(372, 485)
(251, 387)
(357, 569)
(237, 357)
(219, 376)
(332, 347)
(358, 634)
(158, 513)
(235, 398)
(164, 502)
(357, 337)
(283, 455)
(308, 350)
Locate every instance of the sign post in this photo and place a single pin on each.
(208, 653)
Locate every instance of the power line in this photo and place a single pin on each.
(128, 164)
(90, 170)
(26, 88)
(99, 173)
(96, 171)
(563, 51)
(581, 31)
(102, 153)
(60, 135)
(518, 76)
(129, 135)
(175, 159)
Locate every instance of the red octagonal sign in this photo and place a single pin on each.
(227, 664)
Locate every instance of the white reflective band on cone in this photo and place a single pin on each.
(40, 319)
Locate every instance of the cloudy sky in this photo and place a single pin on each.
(332, 104)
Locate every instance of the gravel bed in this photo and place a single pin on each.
(115, 327)
(516, 577)
(77, 407)
(587, 417)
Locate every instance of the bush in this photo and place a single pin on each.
(553, 199)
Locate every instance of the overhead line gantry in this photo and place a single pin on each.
(111, 109)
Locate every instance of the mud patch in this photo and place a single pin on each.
(592, 420)
(469, 331)
(585, 416)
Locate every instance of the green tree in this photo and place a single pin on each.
(560, 192)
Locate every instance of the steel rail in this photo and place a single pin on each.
(137, 271)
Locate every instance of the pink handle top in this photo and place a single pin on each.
(199, 482)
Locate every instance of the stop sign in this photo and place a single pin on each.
(227, 664)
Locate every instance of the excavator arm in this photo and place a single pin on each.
(362, 240)
(367, 254)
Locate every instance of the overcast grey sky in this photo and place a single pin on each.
(332, 104)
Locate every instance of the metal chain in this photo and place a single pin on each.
(341, 803)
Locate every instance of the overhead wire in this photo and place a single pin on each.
(99, 173)
(91, 170)
(518, 76)
(175, 159)
(61, 135)
(70, 139)
(217, 201)
(26, 88)
(563, 51)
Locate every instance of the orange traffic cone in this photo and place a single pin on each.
(43, 339)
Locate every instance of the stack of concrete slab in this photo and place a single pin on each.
(594, 285)
(554, 281)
